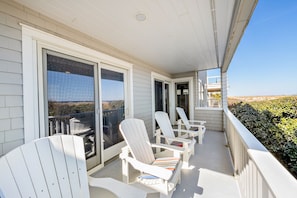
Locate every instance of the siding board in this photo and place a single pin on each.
(10, 32)
(11, 44)
(10, 90)
(10, 78)
(10, 55)
(11, 67)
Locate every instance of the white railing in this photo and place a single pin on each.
(258, 172)
(213, 82)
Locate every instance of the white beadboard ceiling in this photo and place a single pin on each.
(177, 35)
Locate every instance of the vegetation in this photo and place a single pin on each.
(67, 108)
(274, 124)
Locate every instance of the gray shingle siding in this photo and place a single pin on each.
(143, 96)
(11, 88)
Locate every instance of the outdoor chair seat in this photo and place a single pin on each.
(169, 163)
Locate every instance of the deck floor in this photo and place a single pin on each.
(210, 172)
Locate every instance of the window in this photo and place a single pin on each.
(64, 92)
(209, 88)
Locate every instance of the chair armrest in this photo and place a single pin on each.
(198, 126)
(169, 147)
(178, 139)
(183, 140)
(118, 188)
(152, 170)
(197, 121)
(192, 133)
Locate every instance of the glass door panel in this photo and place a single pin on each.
(167, 98)
(158, 96)
(182, 96)
(71, 101)
(113, 107)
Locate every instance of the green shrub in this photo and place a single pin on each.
(274, 124)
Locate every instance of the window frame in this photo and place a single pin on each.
(33, 41)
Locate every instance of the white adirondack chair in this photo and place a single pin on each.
(54, 166)
(193, 125)
(160, 174)
(167, 132)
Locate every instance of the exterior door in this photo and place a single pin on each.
(71, 101)
(114, 108)
(161, 96)
(182, 96)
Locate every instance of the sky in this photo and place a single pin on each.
(265, 62)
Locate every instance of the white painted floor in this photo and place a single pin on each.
(210, 174)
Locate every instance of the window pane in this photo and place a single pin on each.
(71, 100)
(158, 96)
(113, 105)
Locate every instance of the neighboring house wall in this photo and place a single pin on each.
(11, 93)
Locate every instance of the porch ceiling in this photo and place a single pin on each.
(176, 36)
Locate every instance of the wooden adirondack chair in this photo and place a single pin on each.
(53, 166)
(192, 125)
(160, 174)
(167, 132)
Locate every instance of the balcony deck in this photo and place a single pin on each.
(210, 173)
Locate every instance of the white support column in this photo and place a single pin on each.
(224, 90)
(224, 95)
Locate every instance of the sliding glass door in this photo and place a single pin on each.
(84, 98)
(71, 100)
(114, 105)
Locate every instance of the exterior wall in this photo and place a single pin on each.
(143, 97)
(11, 93)
(11, 100)
(213, 118)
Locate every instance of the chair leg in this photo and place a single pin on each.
(186, 156)
(200, 137)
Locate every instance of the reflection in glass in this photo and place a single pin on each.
(71, 100)
(113, 105)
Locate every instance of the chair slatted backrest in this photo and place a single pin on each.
(184, 117)
(48, 167)
(164, 124)
(136, 137)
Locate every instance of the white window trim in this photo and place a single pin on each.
(31, 39)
